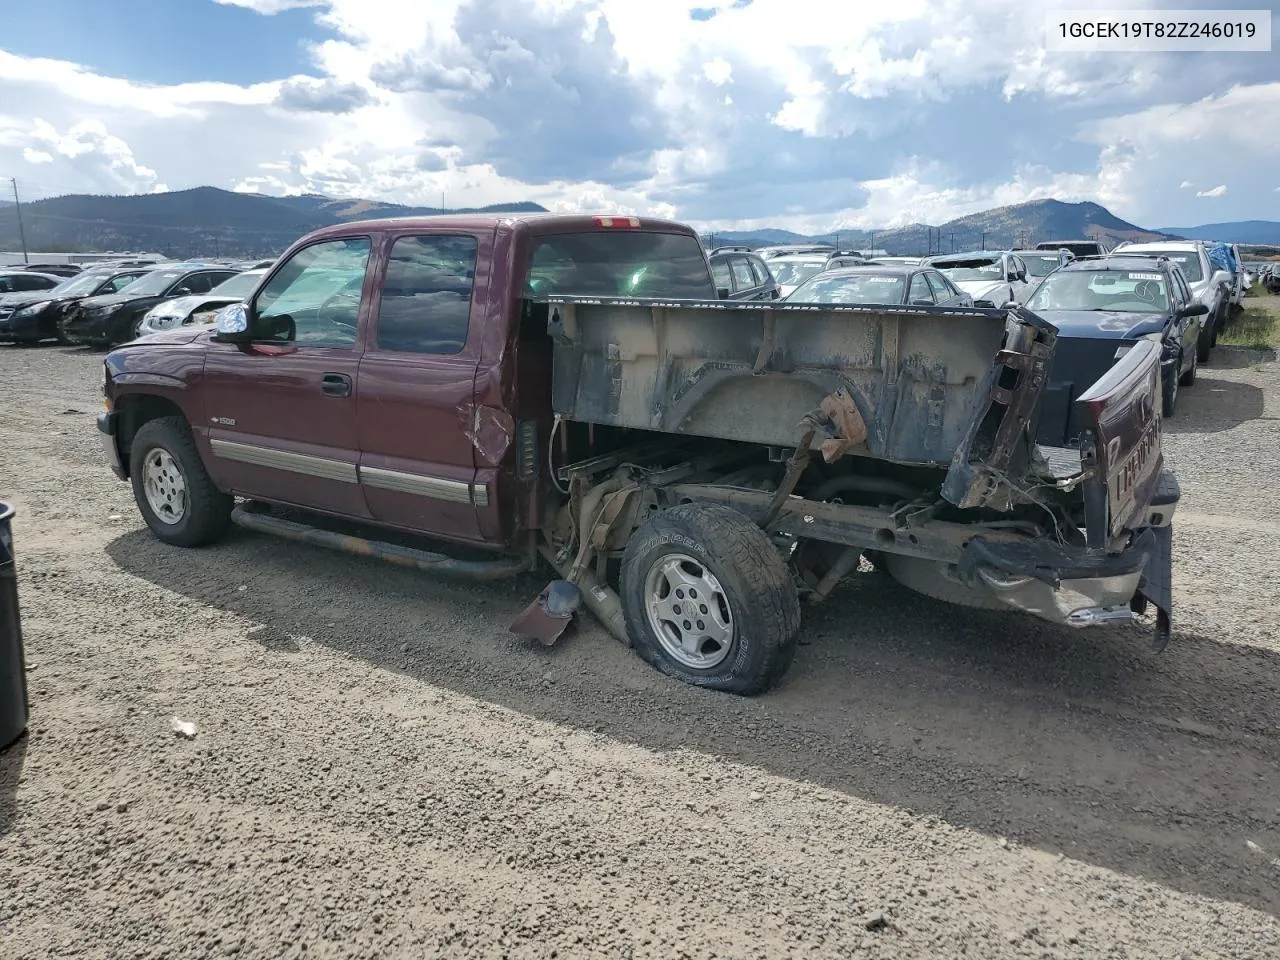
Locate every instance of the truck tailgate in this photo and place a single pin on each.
(1120, 440)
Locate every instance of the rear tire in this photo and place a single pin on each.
(1169, 395)
(743, 637)
(174, 492)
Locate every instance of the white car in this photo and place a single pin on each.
(1209, 284)
(993, 278)
(200, 308)
(791, 270)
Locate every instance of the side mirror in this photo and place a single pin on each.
(1193, 310)
(1008, 304)
(231, 324)
(776, 293)
(182, 292)
(1022, 275)
(722, 293)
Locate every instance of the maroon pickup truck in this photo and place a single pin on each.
(570, 391)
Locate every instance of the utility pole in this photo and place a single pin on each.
(17, 206)
(984, 239)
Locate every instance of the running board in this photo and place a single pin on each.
(424, 560)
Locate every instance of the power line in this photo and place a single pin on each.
(17, 206)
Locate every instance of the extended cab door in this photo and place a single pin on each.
(280, 413)
(417, 383)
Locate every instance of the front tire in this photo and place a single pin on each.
(1189, 377)
(174, 492)
(708, 600)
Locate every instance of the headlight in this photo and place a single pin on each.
(164, 321)
(31, 309)
(1156, 337)
(204, 316)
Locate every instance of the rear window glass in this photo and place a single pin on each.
(619, 263)
(863, 288)
(1188, 261)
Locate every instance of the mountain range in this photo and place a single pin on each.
(207, 222)
(202, 222)
(1018, 226)
(1242, 231)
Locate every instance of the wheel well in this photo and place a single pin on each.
(135, 410)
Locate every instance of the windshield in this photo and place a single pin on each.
(959, 271)
(620, 263)
(81, 283)
(241, 285)
(795, 272)
(1040, 266)
(862, 288)
(1127, 291)
(1188, 260)
(152, 284)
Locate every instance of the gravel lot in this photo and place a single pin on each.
(382, 770)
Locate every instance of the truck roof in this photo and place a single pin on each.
(533, 223)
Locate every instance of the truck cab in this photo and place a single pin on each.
(382, 374)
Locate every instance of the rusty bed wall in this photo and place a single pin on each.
(750, 373)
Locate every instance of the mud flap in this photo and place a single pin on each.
(1156, 586)
(550, 614)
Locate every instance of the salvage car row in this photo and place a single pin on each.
(1176, 293)
(114, 302)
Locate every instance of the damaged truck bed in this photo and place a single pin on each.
(900, 433)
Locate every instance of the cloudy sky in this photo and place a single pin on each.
(809, 114)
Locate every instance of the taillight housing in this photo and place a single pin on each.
(623, 223)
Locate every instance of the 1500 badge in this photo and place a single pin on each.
(223, 421)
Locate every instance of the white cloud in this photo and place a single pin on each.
(832, 117)
(270, 7)
(718, 70)
(1217, 191)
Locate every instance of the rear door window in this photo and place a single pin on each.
(761, 272)
(743, 278)
(941, 290)
(426, 296)
(720, 270)
(920, 291)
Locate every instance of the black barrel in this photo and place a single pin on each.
(13, 669)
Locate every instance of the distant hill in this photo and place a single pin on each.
(202, 222)
(207, 221)
(1235, 231)
(1023, 224)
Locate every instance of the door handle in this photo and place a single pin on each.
(335, 385)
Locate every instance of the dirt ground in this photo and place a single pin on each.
(381, 770)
